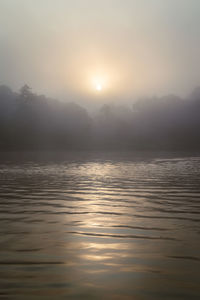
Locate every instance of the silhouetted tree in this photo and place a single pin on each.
(29, 121)
(25, 94)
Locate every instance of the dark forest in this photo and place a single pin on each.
(34, 122)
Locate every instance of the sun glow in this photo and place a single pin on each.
(98, 87)
(99, 84)
(99, 81)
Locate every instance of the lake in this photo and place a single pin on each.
(94, 225)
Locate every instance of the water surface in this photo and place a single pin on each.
(99, 226)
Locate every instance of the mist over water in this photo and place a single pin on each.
(99, 150)
(99, 225)
(35, 122)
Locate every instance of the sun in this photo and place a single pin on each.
(98, 87)
(98, 84)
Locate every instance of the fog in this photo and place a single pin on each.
(141, 47)
(133, 50)
(35, 122)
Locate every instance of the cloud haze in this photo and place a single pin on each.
(57, 47)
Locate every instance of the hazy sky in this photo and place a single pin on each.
(129, 47)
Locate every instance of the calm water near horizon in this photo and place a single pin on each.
(94, 225)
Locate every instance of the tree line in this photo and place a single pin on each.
(34, 122)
